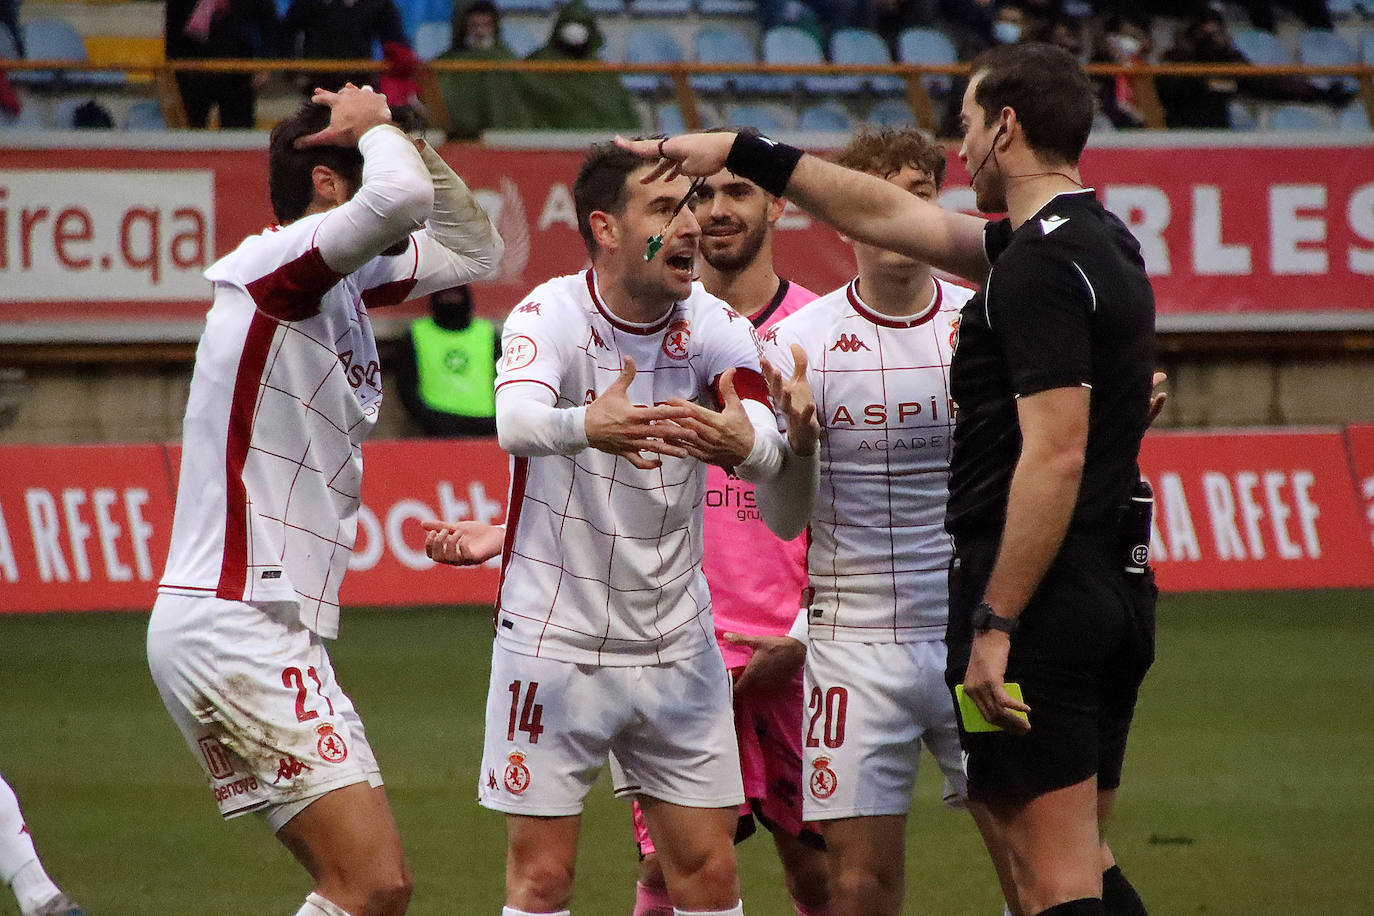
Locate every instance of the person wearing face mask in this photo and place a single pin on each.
(576, 101)
(477, 101)
(1125, 41)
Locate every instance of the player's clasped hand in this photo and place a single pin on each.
(772, 666)
(793, 397)
(618, 427)
(724, 437)
(467, 543)
(353, 111)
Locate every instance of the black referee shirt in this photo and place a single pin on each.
(1066, 303)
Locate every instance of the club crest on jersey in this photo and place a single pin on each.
(849, 343)
(331, 746)
(823, 779)
(954, 333)
(517, 775)
(288, 768)
(520, 352)
(676, 337)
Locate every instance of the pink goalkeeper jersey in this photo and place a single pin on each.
(756, 580)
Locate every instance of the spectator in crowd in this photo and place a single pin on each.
(1125, 40)
(9, 18)
(475, 101)
(214, 29)
(1064, 31)
(446, 372)
(576, 101)
(331, 30)
(967, 22)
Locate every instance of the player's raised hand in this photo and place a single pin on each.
(1157, 397)
(353, 111)
(793, 397)
(697, 155)
(774, 664)
(724, 437)
(468, 543)
(616, 426)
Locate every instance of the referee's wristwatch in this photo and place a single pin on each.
(985, 618)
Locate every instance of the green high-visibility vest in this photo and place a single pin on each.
(457, 369)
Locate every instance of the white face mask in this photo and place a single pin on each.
(483, 42)
(1126, 45)
(574, 34)
(1006, 33)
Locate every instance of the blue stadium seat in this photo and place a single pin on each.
(1318, 47)
(831, 116)
(606, 7)
(144, 116)
(1367, 47)
(721, 46)
(742, 8)
(1354, 118)
(57, 39)
(1262, 48)
(891, 113)
(668, 117)
(432, 39)
(523, 37)
(8, 49)
(787, 44)
(525, 6)
(646, 44)
(860, 46)
(659, 7)
(1242, 116)
(768, 118)
(1296, 117)
(927, 46)
(29, 118)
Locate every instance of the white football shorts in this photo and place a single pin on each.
(668, 731)
(868, 708)
(255, 697)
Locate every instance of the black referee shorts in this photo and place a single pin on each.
(1080, 653)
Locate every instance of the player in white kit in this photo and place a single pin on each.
(605, 646)
(878, 351)
(20, 868)
(286, 387)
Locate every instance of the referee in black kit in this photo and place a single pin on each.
(1052, 375)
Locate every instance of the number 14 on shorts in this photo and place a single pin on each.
(527, 716)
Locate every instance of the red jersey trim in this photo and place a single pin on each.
(293, 291)
(620, 324)
(519, 476)
(749, 385)
(393, 293)
(233, 575)
(889, 321)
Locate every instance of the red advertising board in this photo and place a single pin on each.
(1361, 442)
(1255, 509)
(1228, 232)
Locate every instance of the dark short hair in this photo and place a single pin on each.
(1051, 95)
(289, 169)
(884, 152)
(601, 185)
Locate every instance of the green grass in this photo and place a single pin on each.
(1249, 786)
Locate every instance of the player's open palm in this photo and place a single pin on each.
(353, 111)
(618, 427)
(792, 396)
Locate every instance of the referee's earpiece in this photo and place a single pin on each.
(1001, 128)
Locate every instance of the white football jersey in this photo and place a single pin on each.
(286, 387)
(603, 560)
(879, 554)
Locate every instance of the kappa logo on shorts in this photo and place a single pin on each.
(517, 775)
(676, 337)
(288, 769)
(217, 762)
(330, 745)
(823, 779)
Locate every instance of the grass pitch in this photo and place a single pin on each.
(1249, 786)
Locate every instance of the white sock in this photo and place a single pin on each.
(19, 865)
(315, 905)
(512, 911)
(736, 910)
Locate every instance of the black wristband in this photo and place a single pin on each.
(765, 162)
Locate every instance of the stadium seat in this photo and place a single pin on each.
(831, 116)
(1353, 118)
(432, 39)
(606, 7)
(721, 46)
(29, 118)
(525, 6)
(1242, 116)
(57, 39)
(522, 37)
(646, 44)
(860, 46)
(1319, 47)
(927, 46)
(788, 44)
(1296, 117)
(673, 8)
(8, 49)
(1367, 47)
(144, 116)
(767, 117)
(742, 8)
(1262, 48)
(668, 117)
(891, 113)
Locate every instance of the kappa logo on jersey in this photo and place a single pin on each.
(676, 337)
(520, 352)
(331, 746)
(288, 769)
(517, 775)
(596, 339)
(530, 307)
(771, 335)
(849, 343)
(731, 315)
(823, 779)
(1051, 223)
(217, 762)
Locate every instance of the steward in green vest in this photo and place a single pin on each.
(447, 379)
